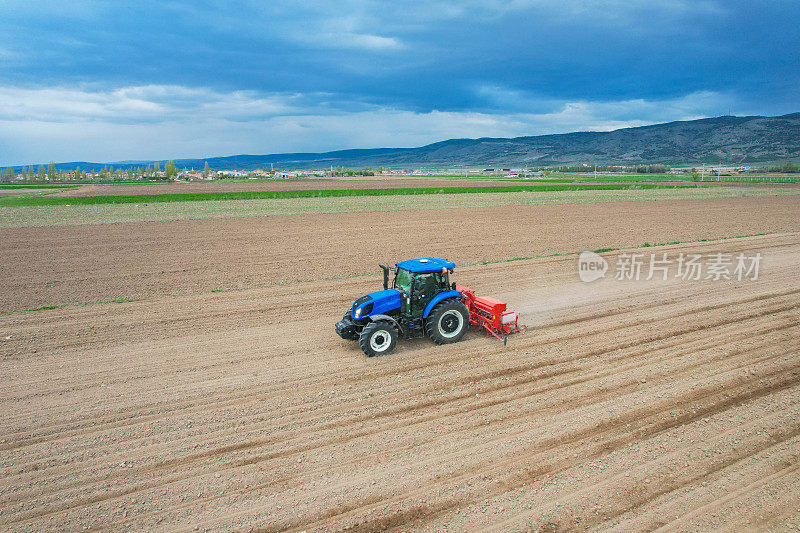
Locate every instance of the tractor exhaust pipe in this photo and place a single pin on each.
(385, 276)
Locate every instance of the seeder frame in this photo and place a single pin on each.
(488, 313)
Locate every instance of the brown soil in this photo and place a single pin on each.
(325, 184)
(281, 185)
(22, 191)
(625, 406)
(76, 264)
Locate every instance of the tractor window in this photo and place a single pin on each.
(428, 284)
(402, 280)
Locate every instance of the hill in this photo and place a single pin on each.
(728, 139)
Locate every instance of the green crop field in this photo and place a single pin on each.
(263, 195)
(100, 213)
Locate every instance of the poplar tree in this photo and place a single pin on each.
(169, 169)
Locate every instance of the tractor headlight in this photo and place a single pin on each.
(358, 313)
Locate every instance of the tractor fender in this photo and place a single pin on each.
(391, 320)
(438, 298)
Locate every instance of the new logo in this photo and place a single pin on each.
(591, 266)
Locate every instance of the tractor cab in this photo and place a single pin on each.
(419, 302)
(418, 284)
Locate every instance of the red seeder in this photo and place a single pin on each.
(490, 314)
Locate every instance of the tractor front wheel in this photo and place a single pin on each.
(378, 338)
(447, 322)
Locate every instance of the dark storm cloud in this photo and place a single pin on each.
(511, 67)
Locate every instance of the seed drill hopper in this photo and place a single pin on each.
(490, 315)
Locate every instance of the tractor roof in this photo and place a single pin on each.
(426, 264)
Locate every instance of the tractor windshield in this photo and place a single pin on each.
(402, 280)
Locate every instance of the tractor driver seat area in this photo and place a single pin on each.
(427, 286)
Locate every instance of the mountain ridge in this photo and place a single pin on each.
(715, 140)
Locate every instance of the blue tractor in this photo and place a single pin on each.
(421, 302)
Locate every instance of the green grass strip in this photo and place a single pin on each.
(363, 275)
(80, 304)
(316, 193)
(635, 247)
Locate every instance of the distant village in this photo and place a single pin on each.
(170, 172)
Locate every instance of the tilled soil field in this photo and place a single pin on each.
(64, 265)
(626, 406)
(22, 191)
(339, 183)
(284, 185)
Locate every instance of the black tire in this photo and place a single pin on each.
(378, 338)
(448, 321)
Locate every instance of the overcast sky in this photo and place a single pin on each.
(115, 80)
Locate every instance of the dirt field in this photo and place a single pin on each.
(340, 183)
(78, 264)
(66, 215)
(22, 191)
(282, 185)
(625, 407)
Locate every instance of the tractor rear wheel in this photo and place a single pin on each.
(448, 321)
(378, 338)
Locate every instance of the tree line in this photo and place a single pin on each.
(638, 169)
(105, 173)
(344, 171)
(786, 168)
